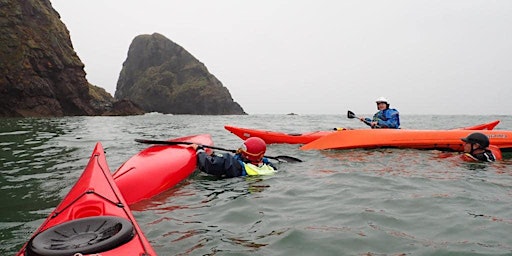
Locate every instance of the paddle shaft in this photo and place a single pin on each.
(351, 115)
(164, 142)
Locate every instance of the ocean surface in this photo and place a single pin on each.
(336, 202)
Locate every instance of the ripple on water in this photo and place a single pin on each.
(350, 202)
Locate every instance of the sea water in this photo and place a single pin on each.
(336, 202)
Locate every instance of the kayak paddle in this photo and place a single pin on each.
(164, 142)
(351, 115)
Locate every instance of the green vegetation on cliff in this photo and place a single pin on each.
(161, 76)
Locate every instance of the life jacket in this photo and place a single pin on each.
(489, 155)
(264, 169)
(383, 118)
(496, 151)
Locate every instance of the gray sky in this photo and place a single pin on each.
(318, 57)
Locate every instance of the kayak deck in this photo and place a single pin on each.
(271, 137)
(94, 201)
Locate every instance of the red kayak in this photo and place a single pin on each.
(271, 137)
(93, 219)
(303, 138)
(158, 168)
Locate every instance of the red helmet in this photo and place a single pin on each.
(253, 149)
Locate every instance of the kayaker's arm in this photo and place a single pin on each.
(366, 120)
(200, 148)
(266, 161)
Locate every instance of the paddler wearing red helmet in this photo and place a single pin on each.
(248, 160)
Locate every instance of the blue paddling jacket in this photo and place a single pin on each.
(387, 118)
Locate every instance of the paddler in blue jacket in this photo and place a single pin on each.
(249, 160)
(385, 118)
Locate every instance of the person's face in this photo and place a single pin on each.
(468, 147)
(381, 105)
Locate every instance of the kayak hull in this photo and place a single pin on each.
(271, 137)
(398, 138)
(94, 199)
(157, 168)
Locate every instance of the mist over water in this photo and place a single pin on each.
(350, 202)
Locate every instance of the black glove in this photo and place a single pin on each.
(199, 149)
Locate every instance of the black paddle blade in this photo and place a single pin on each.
(351, 114)
(162, 142)
(286, 159)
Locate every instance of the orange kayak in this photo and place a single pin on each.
(402, 138)
(92, 219)
(157, 168)
(303, 138)
(277, 137)
(484, 126)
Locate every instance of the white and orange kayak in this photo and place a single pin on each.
(401, 138)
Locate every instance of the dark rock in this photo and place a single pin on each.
(101, 99)
(124, 108)
(42, 76)
(160, 76)
(40, 73)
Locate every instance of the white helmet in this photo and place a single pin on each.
(382, 99)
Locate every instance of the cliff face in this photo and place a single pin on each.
(40, 73)
(159, 75)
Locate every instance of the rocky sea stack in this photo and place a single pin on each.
(161, 76)
(40, 73)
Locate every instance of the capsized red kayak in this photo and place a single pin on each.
(403, 138)
(158, 168)
(302, 138)
(93, 219)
